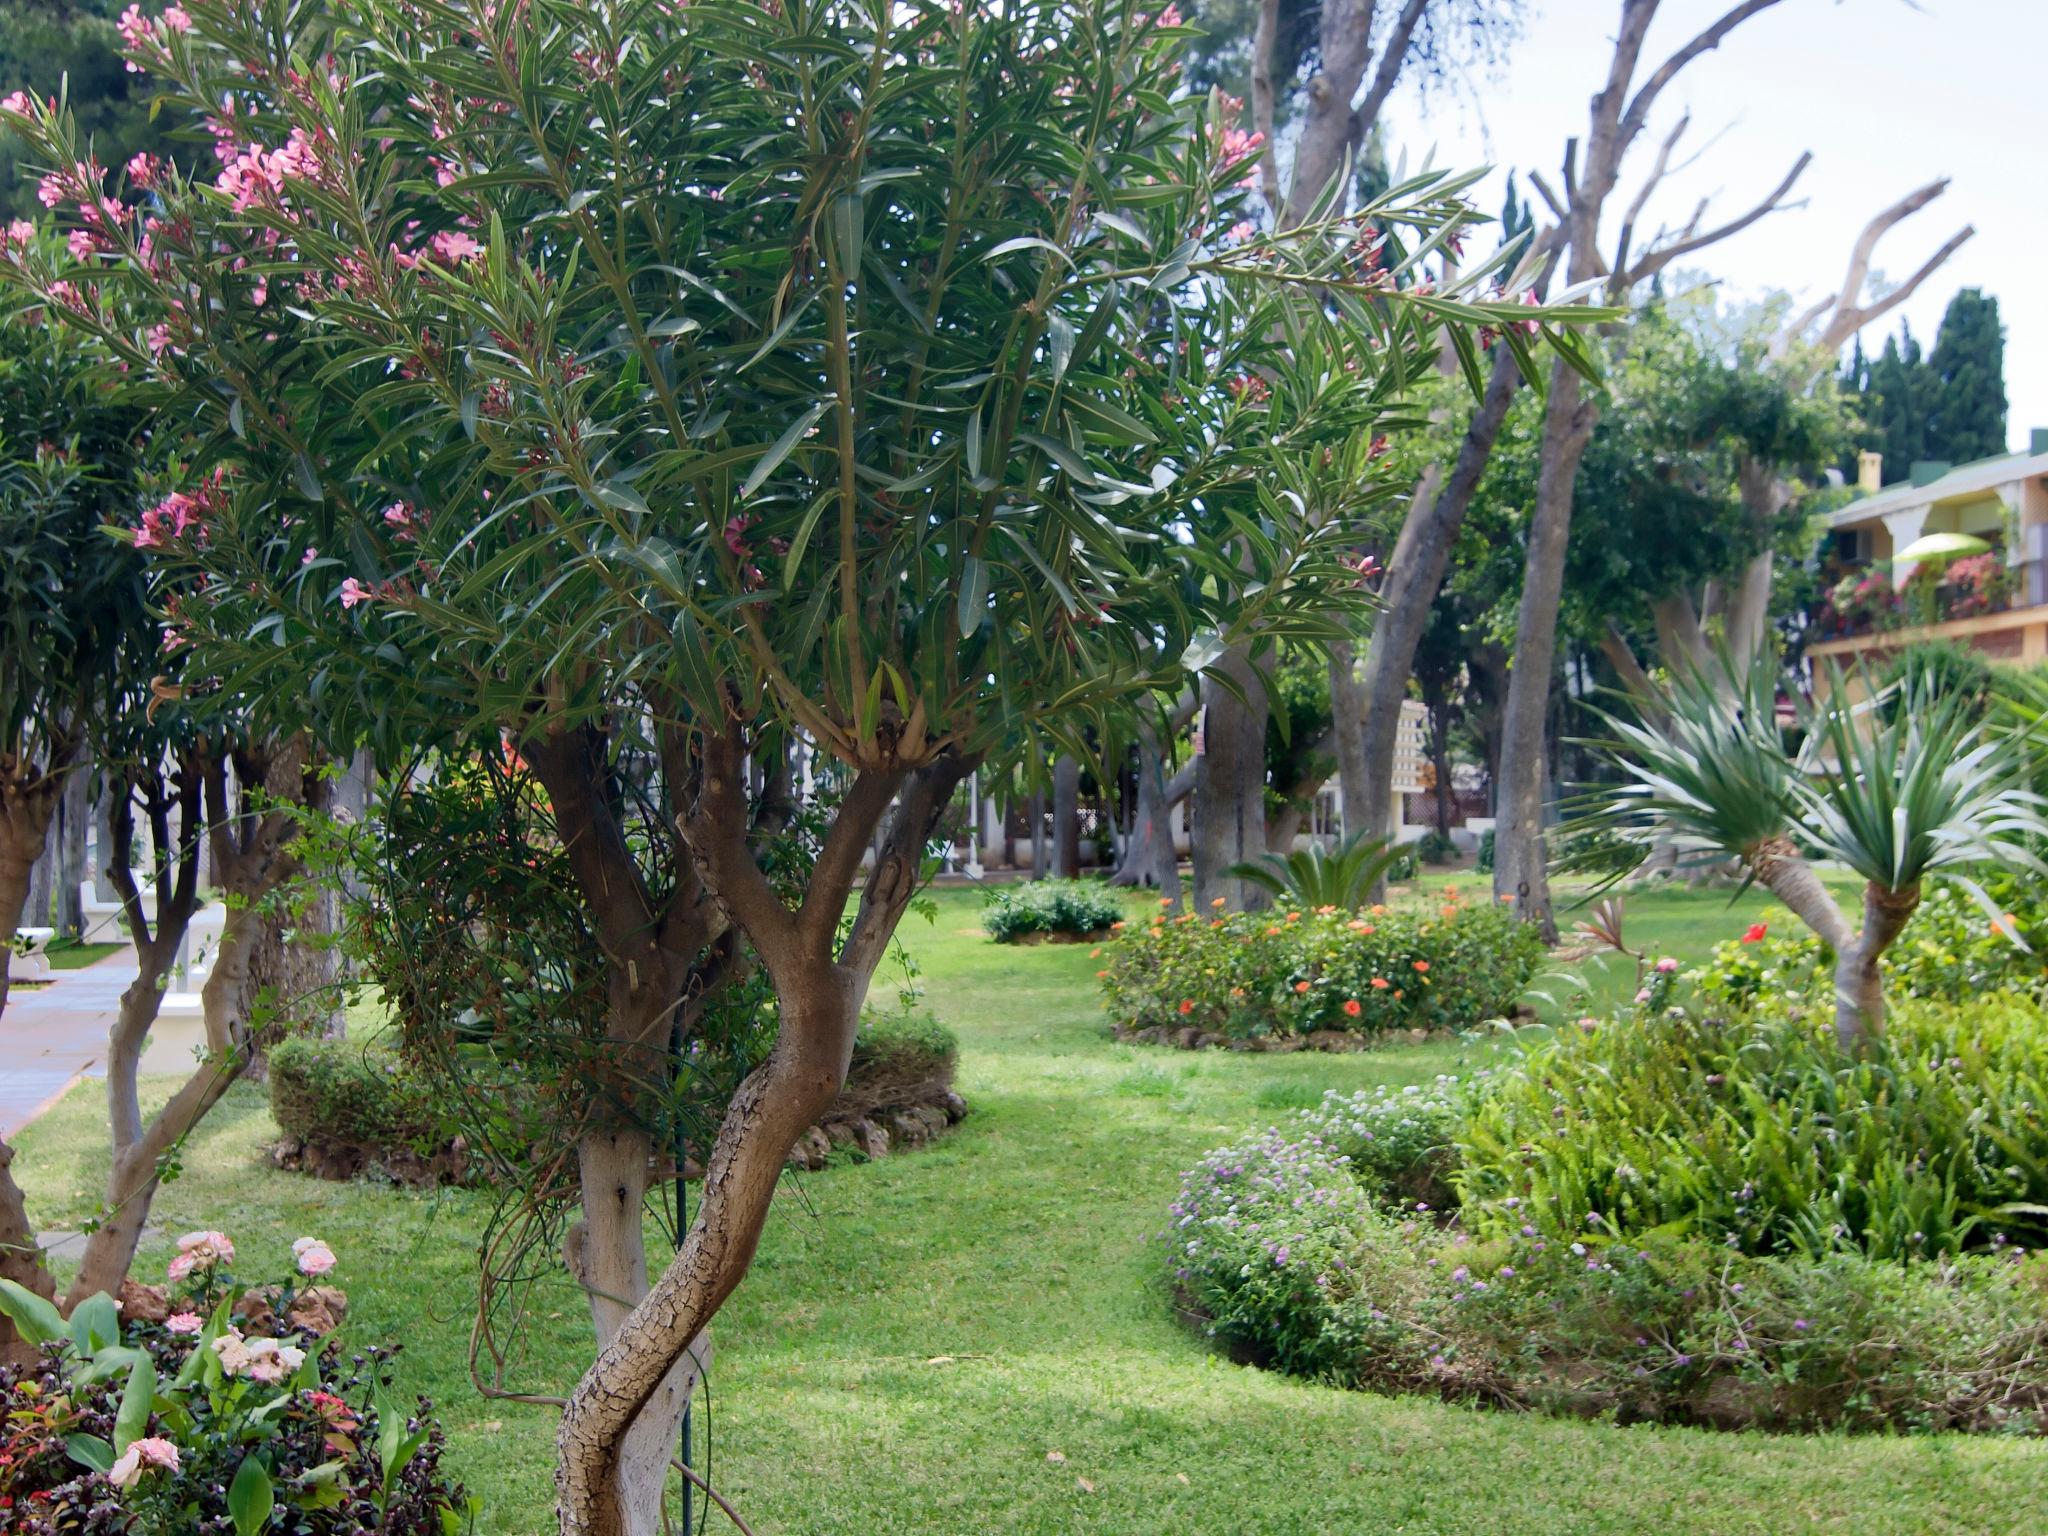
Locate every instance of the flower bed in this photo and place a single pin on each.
(206, 1407)
(1660, 1218)
(1290, 975)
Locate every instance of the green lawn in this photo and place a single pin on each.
(917, 1335)
(72, 955)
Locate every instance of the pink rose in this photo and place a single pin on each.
(314, 1257)
(184, 1323)
(139, 1458)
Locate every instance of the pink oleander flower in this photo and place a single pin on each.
(455, 247)
(81, 244)
(159, 339)
(175, 19)
(143, 169)
(200, 1250)
(184, 1324)
(314, 1257)
(20, 103)
(52, 190)
(354, 592)
(142, 1455)
(1666, 966)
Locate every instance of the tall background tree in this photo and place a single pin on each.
(1947, 405)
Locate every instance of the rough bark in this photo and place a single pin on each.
(1347, 735)
(607, 1255)
(1041, 846)
(1859, 987)
(1230, 787)
(1066, 817)
(1149, 857)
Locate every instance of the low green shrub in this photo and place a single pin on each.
(1281, 1252)
(360, 1093)
(1435, 847)
(1760, 1136)
(1401, 1143)
(1049, 906)
(1445, 964)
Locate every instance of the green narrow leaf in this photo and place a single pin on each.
(973, 595)
(132, 1421)
(1026, 242)
(1060, 342)
(780, 449)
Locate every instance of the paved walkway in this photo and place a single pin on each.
(50, 1035)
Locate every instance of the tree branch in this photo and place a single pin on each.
(1264, 38)
(1392, 57)
(1657, 260)
(1708, 40)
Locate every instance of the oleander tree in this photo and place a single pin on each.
(882, 385)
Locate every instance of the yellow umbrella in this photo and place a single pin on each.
(1943, 546)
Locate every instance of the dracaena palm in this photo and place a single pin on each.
(902, 379)
(1897, 796)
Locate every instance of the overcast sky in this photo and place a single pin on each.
(1886, 94)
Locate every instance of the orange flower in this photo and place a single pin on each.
(1116, 927)
(1450, 909)
(1095, 953)
(1325, 911)
(1215, 922)
(1380, 983)
(1301, 986)
(1101, 975)
(1187, 1005)
(1378, 909)
(1294, 917)
(1237, 991)
(1275, 928)
(1352, 1007)
(1166, 901)
(1397, 994)
(1218, 903)
(1422, 965)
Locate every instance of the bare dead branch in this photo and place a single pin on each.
(1657, 260)
(1646, 96)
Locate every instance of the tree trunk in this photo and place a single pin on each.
(1519, 872)
(1414, 578)
(1859, 986)
(1041, 849)
(103, 838)
(777, 1103)
(1230, 787)
(41, 879)
(74, 807)
(607, 1255)
(21, 1258)
(1066, 817)
(1149, 857)
(1348, 728)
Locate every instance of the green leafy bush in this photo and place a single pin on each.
(1285, 1256)
(1049, 906)
(1401, 1143)
(1435, 847)
(1483, 861)
(1760, 1136)
(1446, 964)
(1949, 951)
(357, 1092)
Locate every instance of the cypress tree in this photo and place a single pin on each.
(1967, 404)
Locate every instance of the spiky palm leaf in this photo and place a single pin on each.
(1343, 877)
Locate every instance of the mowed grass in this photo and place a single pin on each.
(918, 1334)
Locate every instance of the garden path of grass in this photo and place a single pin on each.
(918, 1334)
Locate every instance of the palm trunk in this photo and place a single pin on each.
(1859, 985)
